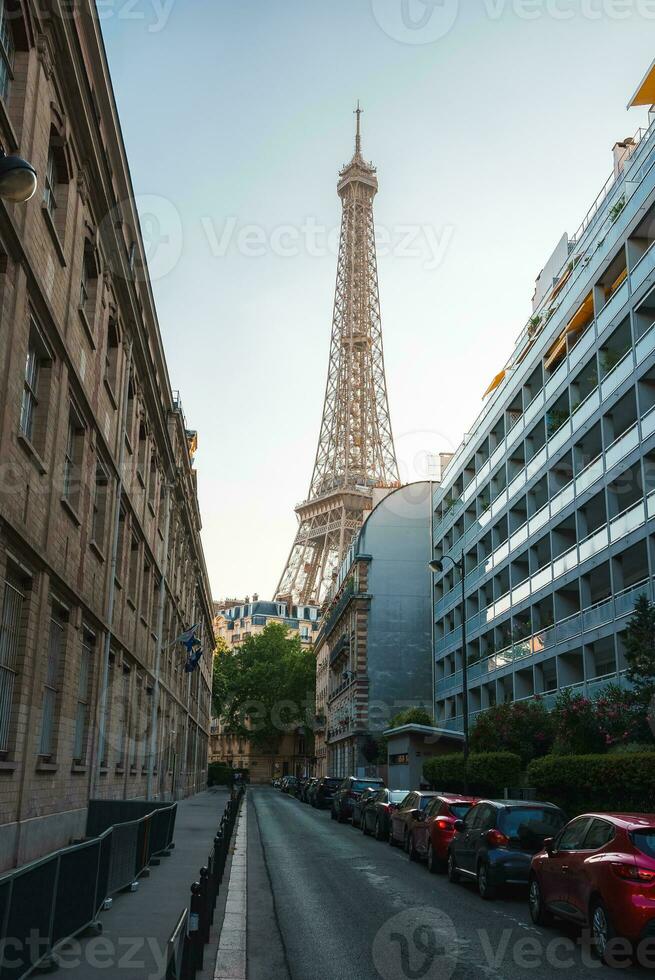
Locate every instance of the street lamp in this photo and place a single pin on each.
(17, 179)
(437, 566)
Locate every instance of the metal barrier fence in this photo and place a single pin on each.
(186, 946)
(52, 899)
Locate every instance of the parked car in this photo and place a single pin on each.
(404, 818)
(434, 828)
(599, 871)
(376, 815)
(360, 803)
(350, 790)
(307, 789)
(323, 794)
(289, 784)
(495, 842)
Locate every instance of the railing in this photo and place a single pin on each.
(60, 895)
(186, 946)
(577, 267)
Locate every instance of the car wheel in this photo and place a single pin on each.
(378, 830)
(602, 930)
(333, 815)
(365, 829)
(411, 849)
(406, 842)
(538, 911)
(453, 873)
(485, 889)
(392, 839)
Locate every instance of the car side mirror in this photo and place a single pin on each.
(419, 815)
(549, 844)
(459, 826)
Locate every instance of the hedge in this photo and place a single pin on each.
(220, 774)
(489, 773)
(578, 783)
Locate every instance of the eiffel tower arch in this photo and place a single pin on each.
(356, 451)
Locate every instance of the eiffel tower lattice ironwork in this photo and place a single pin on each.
(355, 448)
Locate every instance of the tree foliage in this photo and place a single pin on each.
(266, 687)
(639, 640)
(524, 728)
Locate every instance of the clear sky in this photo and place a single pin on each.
(491, 123)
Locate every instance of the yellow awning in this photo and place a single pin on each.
(495, 383)
(556, 351)
(582, 316)
(645, 94)
(617, 282)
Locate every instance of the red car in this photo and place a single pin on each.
(599, 871)
(434, 829)
(404, 818)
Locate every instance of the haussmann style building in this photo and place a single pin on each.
(101, 564)
(550, 500)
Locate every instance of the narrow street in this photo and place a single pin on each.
(343, 906)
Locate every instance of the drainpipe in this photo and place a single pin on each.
(111, 599)
(160, 630)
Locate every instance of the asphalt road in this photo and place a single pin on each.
(350, 907)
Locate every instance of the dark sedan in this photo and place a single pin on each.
(349, 791)
(323, 793)
(405, 818)
(495, 842)
(360, 803)
(376, 815)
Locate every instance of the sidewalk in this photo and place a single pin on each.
(137, 928)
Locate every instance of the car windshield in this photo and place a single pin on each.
(644, 841)
(459, 810)
(332, 782)
(359, 785)
(529, 822)
(397, 796)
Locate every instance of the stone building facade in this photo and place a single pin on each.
(101, 564)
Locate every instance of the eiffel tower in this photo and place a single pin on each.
(355, 447)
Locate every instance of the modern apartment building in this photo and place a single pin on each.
(101, 564)
(550, 499)
(373, 651)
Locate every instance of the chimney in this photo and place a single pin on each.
(622, 153)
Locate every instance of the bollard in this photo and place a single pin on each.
(195, 936)
(204, 905)
(218, 857)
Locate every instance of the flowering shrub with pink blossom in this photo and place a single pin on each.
(522, 727)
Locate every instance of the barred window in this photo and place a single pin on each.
(12, 606)
(6, 52)
(50, 182)
(83, 688)
(98, 516)
(30, 400)
(50, 687)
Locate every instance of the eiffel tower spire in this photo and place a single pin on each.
(355, 448)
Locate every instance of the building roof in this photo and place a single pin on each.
(424, 730)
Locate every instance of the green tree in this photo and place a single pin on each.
(639, 640)
(266, 687)
(411, 716)
(524, 728)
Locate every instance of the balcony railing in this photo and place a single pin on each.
(578, 266)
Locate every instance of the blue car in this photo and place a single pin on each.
(495, 842)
